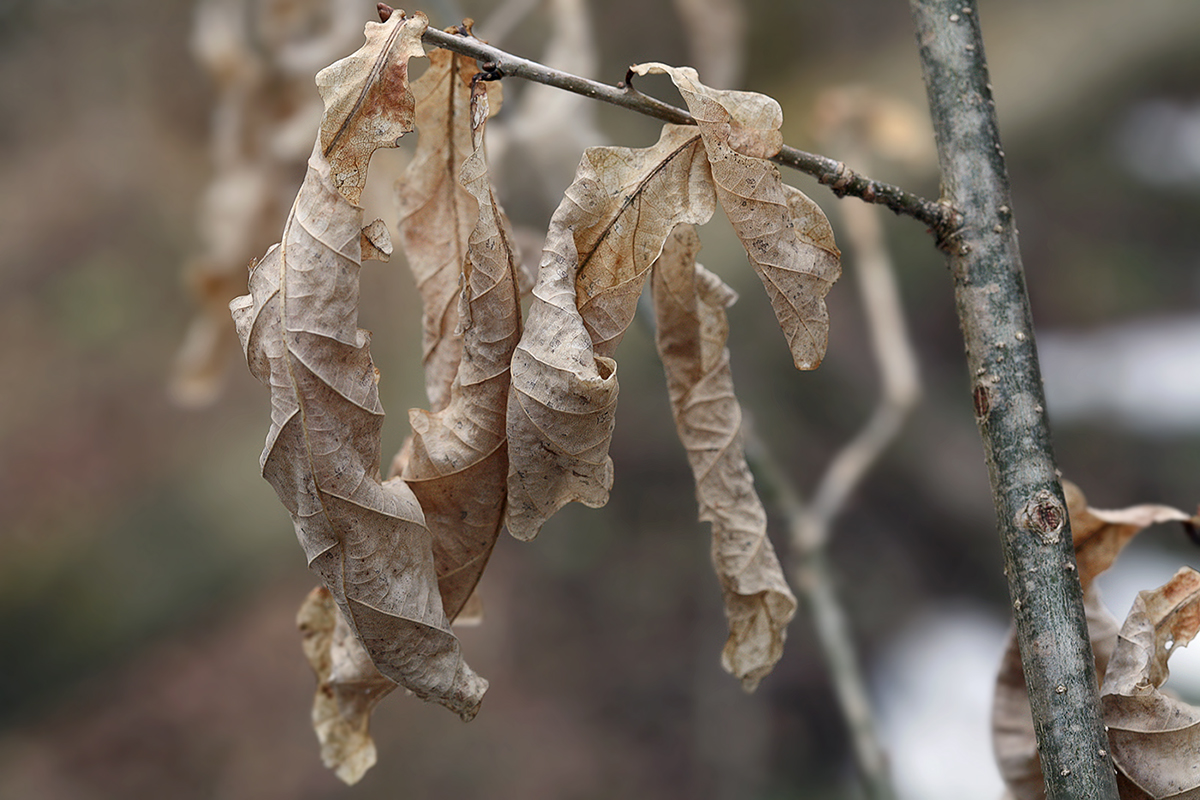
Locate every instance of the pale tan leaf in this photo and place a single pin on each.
(348, 687)
(796, 263)
(1099, 537)
(457, 462)
(603, 238)
(1155, 738)
(366, 539)
(692, 328)
(562, 404)
(436, 212)
(368, 102)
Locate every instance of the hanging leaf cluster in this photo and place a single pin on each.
(1154, 738)
(522, 410)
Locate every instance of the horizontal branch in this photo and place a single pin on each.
(939, 217)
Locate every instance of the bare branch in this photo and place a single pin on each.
(1009, 403)
(897, 365)
(941, 218)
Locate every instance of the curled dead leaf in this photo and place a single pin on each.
(692, 328)
(605, 235)
(457, 461)
(1155, 738)
(437, 212)
(298, 326)
(797, 264)
(368, 102)
(348, 687)
(1099, 537)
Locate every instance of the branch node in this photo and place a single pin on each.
(627, 84)
(489, 71)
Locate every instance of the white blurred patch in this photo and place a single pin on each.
(1144, 375)
(934, 684)
(1159, 142)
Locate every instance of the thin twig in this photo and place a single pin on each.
(843, 181)
(1009, 402)
(895, 359)
(813, 577)
(809, 525)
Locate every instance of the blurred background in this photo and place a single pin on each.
(150, 577)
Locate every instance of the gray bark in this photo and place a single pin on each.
(1007, 393)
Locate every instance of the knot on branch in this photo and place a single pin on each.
(1043, 516)
(946, 223)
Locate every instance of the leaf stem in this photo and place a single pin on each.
(1008, 397)
(942, 219)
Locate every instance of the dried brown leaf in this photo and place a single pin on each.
(436, 212)
(1155, 738)
(366, 539)
(692, 328)
(368, 102)
(1099, 537)
(603, 238)
(348, 687)
(797, 263)
(458, 460)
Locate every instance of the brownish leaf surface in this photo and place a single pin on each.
(348, 687)
(368, 102)
(797, 261)
(458, 459)
(366, 539)
(1099, 537)
(603, 238)
(437, 212)
(689, 305)
(1155, 738)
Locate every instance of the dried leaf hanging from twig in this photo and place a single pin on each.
(348, 687)
(298, 327)
(436, 212)
(1155, 738)
(692, 328)
(458, 460)
(603, 238)
(796, 263)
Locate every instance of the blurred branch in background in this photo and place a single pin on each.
(843, 119)
(261, 56)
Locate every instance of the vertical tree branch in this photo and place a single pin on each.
(993, 311)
